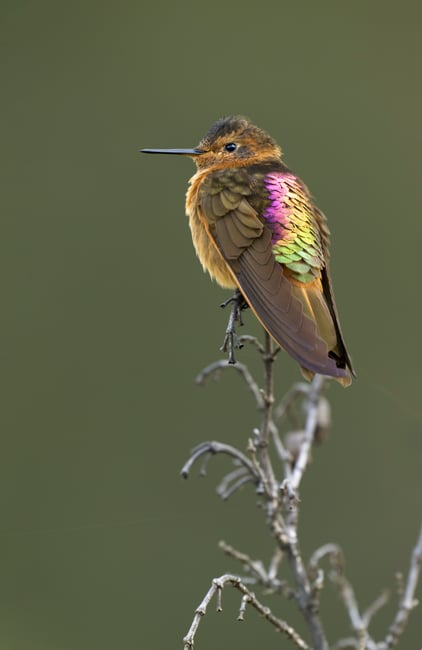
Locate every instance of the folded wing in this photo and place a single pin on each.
(287, 288)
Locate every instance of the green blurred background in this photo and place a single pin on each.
(106, 315)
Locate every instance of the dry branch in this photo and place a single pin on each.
(248, 598)
(306, 409)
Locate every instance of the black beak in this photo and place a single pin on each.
(180, 152)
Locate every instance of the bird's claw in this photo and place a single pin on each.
(231, 339)
(230, 343)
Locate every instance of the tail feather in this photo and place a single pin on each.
(315, 306)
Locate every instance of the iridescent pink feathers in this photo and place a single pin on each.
(290, 216)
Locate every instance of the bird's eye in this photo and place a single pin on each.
(230, 146)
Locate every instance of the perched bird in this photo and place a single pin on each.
(255, 228)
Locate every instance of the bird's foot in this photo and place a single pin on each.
(231, 339)
(230, 343)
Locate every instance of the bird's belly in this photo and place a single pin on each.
(205, 246)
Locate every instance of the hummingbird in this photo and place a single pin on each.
(256, 229)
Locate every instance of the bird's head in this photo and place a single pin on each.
(231, 142)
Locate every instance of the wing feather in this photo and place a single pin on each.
(281, 312)
(218, 207)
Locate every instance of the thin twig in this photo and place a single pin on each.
(408, 601)
(349, 599)
(283, 454)
(245, 600)
(314, 391)
(350, 642)
(248, 598)
(332, 550)
(246, 338)
(284, 408)
(375, 607)
(259, 575)
(256, 567)
(253, 340)
(227, 493)
(268, 397)
(260, 447)
(229, 479)
(215, 447)
(358, 622)
(275, 563)
(216, 367)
